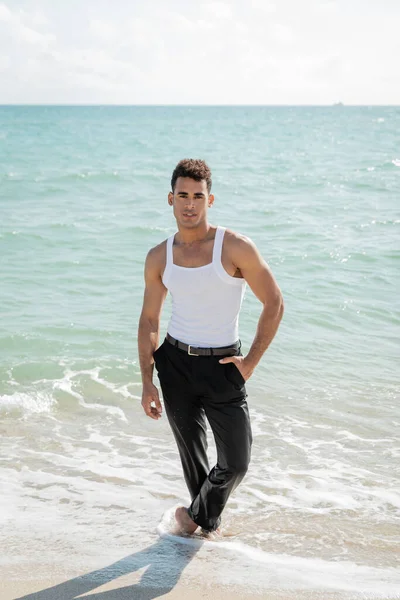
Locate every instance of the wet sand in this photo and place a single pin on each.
(39, 590)
(127, 588)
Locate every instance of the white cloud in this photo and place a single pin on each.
(39, 19)
(22, 32)
(4, 62)
(283, 33)
(217, 52)
(264, 6)
(103, 30)
(220, 10)
(30, 36)
(5, 13)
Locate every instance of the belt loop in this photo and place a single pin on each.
(212, 352)
(176, 343)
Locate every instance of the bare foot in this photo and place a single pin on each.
(211, 535)
(184, 521)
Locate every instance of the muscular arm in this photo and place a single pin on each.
(256, 272)
(148, 333)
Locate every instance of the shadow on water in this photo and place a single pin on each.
(165, 561)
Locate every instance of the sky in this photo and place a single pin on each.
(185, 52)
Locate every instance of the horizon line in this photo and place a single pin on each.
(84, 104)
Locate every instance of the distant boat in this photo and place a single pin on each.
(338, 104)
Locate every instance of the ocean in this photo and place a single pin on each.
(87, 479)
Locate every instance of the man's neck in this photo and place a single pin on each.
(197, 234)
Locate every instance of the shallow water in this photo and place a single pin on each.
(82, 199)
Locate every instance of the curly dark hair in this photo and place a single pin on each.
(195, 169)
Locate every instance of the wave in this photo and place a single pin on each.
(84, 389)
(295, 571)
(40, 402)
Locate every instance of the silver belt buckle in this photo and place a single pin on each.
(190, 351)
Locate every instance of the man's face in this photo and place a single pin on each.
(190, 201)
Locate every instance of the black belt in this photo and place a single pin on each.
(194, 351)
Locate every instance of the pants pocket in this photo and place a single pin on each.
(234, 376)
(158, 351)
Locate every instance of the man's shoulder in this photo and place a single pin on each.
(156, 256)
(158, 250)
(237, 242)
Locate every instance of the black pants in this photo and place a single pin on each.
(196, 387)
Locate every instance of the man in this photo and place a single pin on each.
(201, 369)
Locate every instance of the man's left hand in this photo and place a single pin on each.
(244, 368)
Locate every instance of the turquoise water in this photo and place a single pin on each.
(83, 196)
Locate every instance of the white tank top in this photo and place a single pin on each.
(205, 300)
